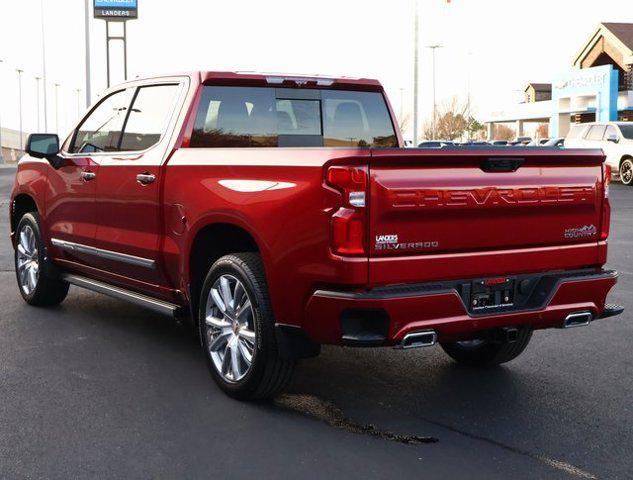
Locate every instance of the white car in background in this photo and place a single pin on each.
(615, 139)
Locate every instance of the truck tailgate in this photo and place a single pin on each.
(462, 213)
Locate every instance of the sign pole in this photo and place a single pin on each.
(114, 11)
(124, 50)
(108, 54)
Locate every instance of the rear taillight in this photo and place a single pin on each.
(349, 222)
(606, 206)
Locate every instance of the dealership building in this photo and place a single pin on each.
(599, 87)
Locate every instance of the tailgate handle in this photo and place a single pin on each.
(501, 164)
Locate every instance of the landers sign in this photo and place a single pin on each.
(116, 9)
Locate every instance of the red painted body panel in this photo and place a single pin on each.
(287, 213)
(130, 220)
(483, 224)
(70, 208)
(445, 312)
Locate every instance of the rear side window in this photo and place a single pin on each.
(101, 130)
(596, 133)
(148, 117)
(611, 130)
(281, 117)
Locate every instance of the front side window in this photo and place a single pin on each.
(101, 130)
(148, 117)
(269, 117)
(627, 130)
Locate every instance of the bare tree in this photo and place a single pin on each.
(451, 121)
(542, 131)
(403, 122)
(502, 132)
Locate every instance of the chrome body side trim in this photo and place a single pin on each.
(99, 252)
(154, 304)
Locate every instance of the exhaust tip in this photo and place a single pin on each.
(577, 319)
(426, 338)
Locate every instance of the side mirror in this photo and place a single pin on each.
(613, 138)
(44, 145)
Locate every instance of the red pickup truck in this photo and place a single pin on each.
(280, 213)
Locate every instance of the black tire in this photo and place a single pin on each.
(48, 289)
(486, 353)
(268, 372)
(626, 171)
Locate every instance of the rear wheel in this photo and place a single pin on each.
(483, 353)
(37, 281)
(626, 171)
(237, 329)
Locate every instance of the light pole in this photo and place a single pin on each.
(87, 32)
(56, 110)
(468, 113)
(20, 105)
(415, 76)
(37, 99)
(1, 159)
(78, 90)
(44, 65)
(433, 48)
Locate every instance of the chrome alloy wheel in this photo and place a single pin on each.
(28, 264)
(230, 328)
(626, 172)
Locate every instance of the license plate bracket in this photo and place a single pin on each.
(492, 294)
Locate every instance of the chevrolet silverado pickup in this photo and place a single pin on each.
(279, 213)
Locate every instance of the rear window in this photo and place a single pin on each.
(283, 117)
(576, 131)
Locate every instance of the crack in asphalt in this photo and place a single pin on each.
(552, 462)
(327, 412)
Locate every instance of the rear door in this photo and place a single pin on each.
(463, 213)
(128, 187)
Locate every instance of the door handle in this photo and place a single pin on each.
(145, 178)
(87, 175)
(502, 164)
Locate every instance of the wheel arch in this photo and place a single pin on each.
(209, 242)
(22, 203)
(627, 156)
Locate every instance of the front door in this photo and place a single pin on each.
(71, 213)
(128, 187)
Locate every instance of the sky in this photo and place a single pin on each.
(491, 48)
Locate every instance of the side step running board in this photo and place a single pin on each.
(154, 304)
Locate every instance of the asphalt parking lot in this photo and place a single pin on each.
(98, 388)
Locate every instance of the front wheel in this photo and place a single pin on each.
(482, 353)
(626, 171)
(237, 329)
(37, 281)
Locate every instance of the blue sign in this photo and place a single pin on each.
(601, 83)
(116, 4)
(117, 10)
